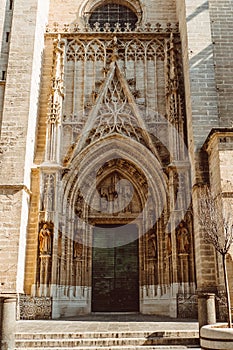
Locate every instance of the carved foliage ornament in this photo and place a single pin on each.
(118, 28)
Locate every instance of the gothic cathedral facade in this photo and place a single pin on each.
(114, 114)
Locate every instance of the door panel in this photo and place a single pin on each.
(115, 276)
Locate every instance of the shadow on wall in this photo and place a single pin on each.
(202, 59)
(204, 93)
(198, 10)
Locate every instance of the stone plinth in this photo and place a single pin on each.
(206, 309)
(216, 337)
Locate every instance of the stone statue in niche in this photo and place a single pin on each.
(45, 240)
(152, 258)
(169, 244)
(59, 244)
(78, 250)
(183, 242)
(78, 256)
(152, 248)
(78, 246)
(128, 195)
(79, 206)
(168, 266)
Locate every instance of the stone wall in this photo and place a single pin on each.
(153, 11)
(221, 26)
(10, 201)
(202, 113)
(201, 95)
(18, 137)
(6, 12)
(220, 153)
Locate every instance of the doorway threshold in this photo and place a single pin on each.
(116, 313)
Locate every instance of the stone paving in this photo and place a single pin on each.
(108, 322)
(116, 325)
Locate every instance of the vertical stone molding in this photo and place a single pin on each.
(55, 103)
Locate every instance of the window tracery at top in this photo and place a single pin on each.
(113, 15)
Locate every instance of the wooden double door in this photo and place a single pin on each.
(115, 269)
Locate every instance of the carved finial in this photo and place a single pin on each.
(107, 27)
(171, 41)
(55, 27)
(88, 27)
(127, 27)
(97, 27)
(148, 27)
(158, 27)
(76, 28)
(117, 27)
(169, 27)
(66, 28)
(115, 50)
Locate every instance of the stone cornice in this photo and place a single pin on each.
(10, 297)
(16, 188)
(216, 133)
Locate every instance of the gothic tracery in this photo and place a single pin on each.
(126, 89)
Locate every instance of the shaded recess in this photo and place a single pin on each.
(113, 14)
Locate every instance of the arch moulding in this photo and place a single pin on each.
(115, 148)
(90, 5)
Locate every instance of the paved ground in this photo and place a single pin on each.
(107, 322)
(111, 323)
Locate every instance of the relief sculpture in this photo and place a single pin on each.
(45, 240)
(45, 243)
(182, 239)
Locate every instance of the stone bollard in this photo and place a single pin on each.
(206, 309)
(8, 323)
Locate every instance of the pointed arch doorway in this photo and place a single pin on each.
(115, 268)
(112, 186)
(117, 225)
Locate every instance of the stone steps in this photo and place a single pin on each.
(108, 334)
(107, 340)
(159, 347)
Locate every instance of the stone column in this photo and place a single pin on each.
(206, 309)
(8, 322)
